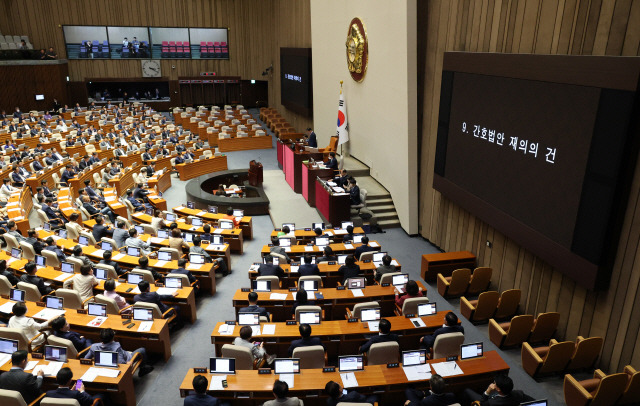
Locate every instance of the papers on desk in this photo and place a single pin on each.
(50, 369)
(4, 358)
(445, 369)
(166, 291)
(30, 364)
(194, 266)
(394, 262)
(202, 213)
(98, 253)
(417, 372)
(135, 291)
(254, 267)
(179, 208)
(63, 277)
(216, 247)
(7, 308)
(288, 378)
(338, 189)
(225, 330)
(268, 329)
(97, 322)
(218, 231)
(327, 232)
(331, 183)
(418, 322)
(117, 257)
(216, 382)
(357, 292)
(255, 330)
(348, 246)
(93, 372)
(161, 263)
(374, 325)
(294, 268)
(310, 248)
(156, 240)
(349, 380)
(145, 326)
(374, 244)
(48, 314)
(55, 238)
(109, 199)
(311, 295)
(338, 232)
(287, 249)
(341, 194)
(278, 296)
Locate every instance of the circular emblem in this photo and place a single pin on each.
(357, 50)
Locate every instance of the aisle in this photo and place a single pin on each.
(285, 205)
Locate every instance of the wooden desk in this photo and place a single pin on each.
(18, 207)
(333, 208)
(124, 181)
(298, 158)
(244, 143)
(111, 198)
(246, 223)
(297, 251)
(247, 387)
(162, 182)
(338, 336)
(309, 175)
(201, 167)
(77, 182)
(305, 236)
(445, 263)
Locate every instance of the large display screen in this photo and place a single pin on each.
(541, 159)
(295, 80)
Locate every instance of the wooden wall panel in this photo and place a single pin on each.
(580, 27)
(20, 84)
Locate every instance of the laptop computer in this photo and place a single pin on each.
(62, 233)
(164, 234)
(414, 357)
(170, 217)
(284, 242)
(292, 226)
(310, 286)
(139, 229)
(346, 224)
(173, 283)
(342, 258)
(226, 224)
(142, 314)
(188, 237)
(164, 256)
(427, 309)
(357, 238)
(322, 241)
(213, 209)
(468, 351)
(217, 240)
(286, 365)
(83, 240)
(261, 286)
(370, 314)
(274, 260)
(149, 211)
(350, 363)
(377, 257)
(106, 246)
(101, 274)
(248, 319)
(134, 251)
(16, 253)
(17, 295)
(8, 346)
(238, 213)
(191, 205)
(55, 353)
(67, 267)
(54, 302)
(46, 226)
(196, 222)
(356, 283)
(317, 225)
(97, 309)
(134, 278)
(309, 317)
(108, 359)
(226, 366)
(41, 261)
(197, 259)
(400, 280)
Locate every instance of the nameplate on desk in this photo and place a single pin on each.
(307, 229)
(329, 369)
(352, 320)
(122, 281)
(84, 361)
(35, 355)
(230, 322)
(291, 322)
(393, 365)
(452, 358)
(276, 229)
(310, 244)
(384, 285)
(199, 370)
(81, 311)
(40, 304)
(366, 261)
(332, 262)
(264, 371)
(293, 289)
(269, 245)
(126, 316)
(340, 287)
(159, 285)
(245, 289)
(409, 316)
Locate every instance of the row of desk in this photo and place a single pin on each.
(202, 166)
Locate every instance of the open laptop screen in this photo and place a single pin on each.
(287, 365)
(53, 302)
(142, 314)
(347, 363)
(106, 359)
(222, 365)
(309, 317)
(83, 240)
(370, 314)
(173, 283)
(473, 350)
(197, 259)
(310, 286)
(248, 319)
(357, 238)
(8, 346)
(261, 286)
(427, 309)
(400, 280)
(317, 225)
(356, 283)
(133, 251)
(284, 242)
(17, 295)
(55, 353)
(213, 209)
(292, 226)
(322, 241)
(164, 256)
(134, 278)
(414, 357)
(97, 309)
(225, 224)
(41, 261)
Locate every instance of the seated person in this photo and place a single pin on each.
(354, 192)
(134, 241)
(434, 397)
(349, 236)
(411, 290)
(107, 261)
(386, 267)
(77, 253)
(30, 277)
(110, 292)
(451, 326)
(253, 307)
(100, 229)
(120, 234)
(73, 222)
(32, 238)
(334, 390)
(29, 326)
(13, 230)
(308, 268)
(280, 391)
(277, 249)
(306, 340)
(147, 296)
(200, 398)
(257, 350)
(137, 206)
(18, 380)
(197, 249)
(91, 209)
(51, 246)
(350, 269)
(157, 221)
(182, 270)
(384, 335)
(363, 248)
(65, 390)
(143, 263)
(230, 216)
(221, 191)
(54, 215)
(83, 283)
(270, 269)
(302, 299)
(498, 393)
(286, 231)
(328, 255)
(177, 242)
(62, 329)
(107, 344)
(332, 162)
(13, 280)
(343, 179)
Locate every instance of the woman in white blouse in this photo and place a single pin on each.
(83, 282)
(30, 327)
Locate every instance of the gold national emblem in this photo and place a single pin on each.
(357, 50)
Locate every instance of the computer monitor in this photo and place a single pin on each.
(101, 273)
(55, 353)
(248, 319)
(8, 346)
(107, 359)
(62, 233)
(427, 309)
(133, 251)
(197, 259)
(261, 286)
(322, 241)
(191, 205)
(473, 350)
(346, 224)
(226, 224)
(106, 246)
(97, 309)
(164, 234)
(217, 240)
(67, 267)
(317, 225)
(309, 317)
(173, 283)
(170, 216)
(357, 238)
(370, 314)
(342, 258)
(356, 283)
(17, 295)
(542, 402)
(149, 211)
(284, 242)
(292, 226)
(54, 302)
(286, 365)
(40, 260)
(188, 237)
(226, 366)
(196, 222)
(213, 209)
(46, 226)
(309, 285)
(414, 357)
(142, 314)
(139, 229)
(293, 268)
(400, 280)
(274, 260)
(134, 278)
(16, 253)
(238, 213)
(350, 363)
(164, 256)
(377, 256)
(83, 240)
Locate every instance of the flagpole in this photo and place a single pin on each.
(341, 93)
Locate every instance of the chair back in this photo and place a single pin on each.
(111, 271)
(388, 277)
(184, 278)
(12, 242)
(11, 398)
(129, 206)
(486, 306)
(558, 357)
(149, 230)
(27, 251)
(32, 294)
(310, 357)
(72, 299)
(275, 281)
(5, 285)
(508, 304)
(307, 309)
(51, 258)
(42, 216)
(383, 353)
(459, 282)
(85, 214)
(357, 309)
(157, 314)
(243, 356)
(544, 327)
(366, 255)
(15, 334)
(519, 330)
(72, 231)
(586, 352)
(447, 345)
(480, 280)
(631, 394)
(112, 306)
(58, 402)
(77, 263)
(90, 237)
(146, 275)
(72, 353)
(111, 241)
(175, 255)
(410, 305)
(310, 278)
(610, 389)
(127, 223)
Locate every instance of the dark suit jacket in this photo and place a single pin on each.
(187, 272)
(332, 163)
(139, 193)
(304, 342)
(428, 340)
(351, 397)
(308, 269)
(9, 275)
(313, 140)
(379, 339)
(361, 249)
(37, 166)
(89, 207)
(78, 341)
(444, 399)
(65, 393)
(153, 297)
(254, 309)
(23, 382)
(354, 193)
(348, 272)
(270, 269)
(114, 265)
(200, 400)
(513, 399)
(99, 231)
(39, 282)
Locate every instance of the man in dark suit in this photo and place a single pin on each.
(49, 160)
(354, 192)
(434, 397)
(308, 268)
(182, 270)
(312, 140)
(62, 329)
(385, 335)
(451, 326)
(93, 195)
(140, 193)
(86, 204)
(334, 390)
(270, 269)
(64, 391)
(342, 179)
(37, 166)
(18, 380)
(332, 162)
(30, 277)
(253, 306)
(67, 174)
(16, 178)
(306, 340)
(84, 163)
(100, 230)
(200, 398)
(107, 261)
(153, 297)
(363, 248)
(498, 393)
(146, 156)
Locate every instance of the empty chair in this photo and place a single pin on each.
(306, 309)
(51, 258)
(146, 275)
(454, 285)
(447, 345)
(72, 299)
(275, 281)
(481, 309)
(242, 355)
(544, 327)
(12, 242)
(32, 294)
(5, 285)
(72, 352)
(175, 254)
(311, 357)
(27, 251)
(388, 277)
(586, 353)
(510, 333)
(548, 359)
(183, 278)
(77, 263)
(18, 335)
(357, 309)
(602, 390)
(480, 281)
(631, 394)
(383, 353)
(110, 270)
(508, 304)
(366, 256)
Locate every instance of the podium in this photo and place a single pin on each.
(255, 173)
